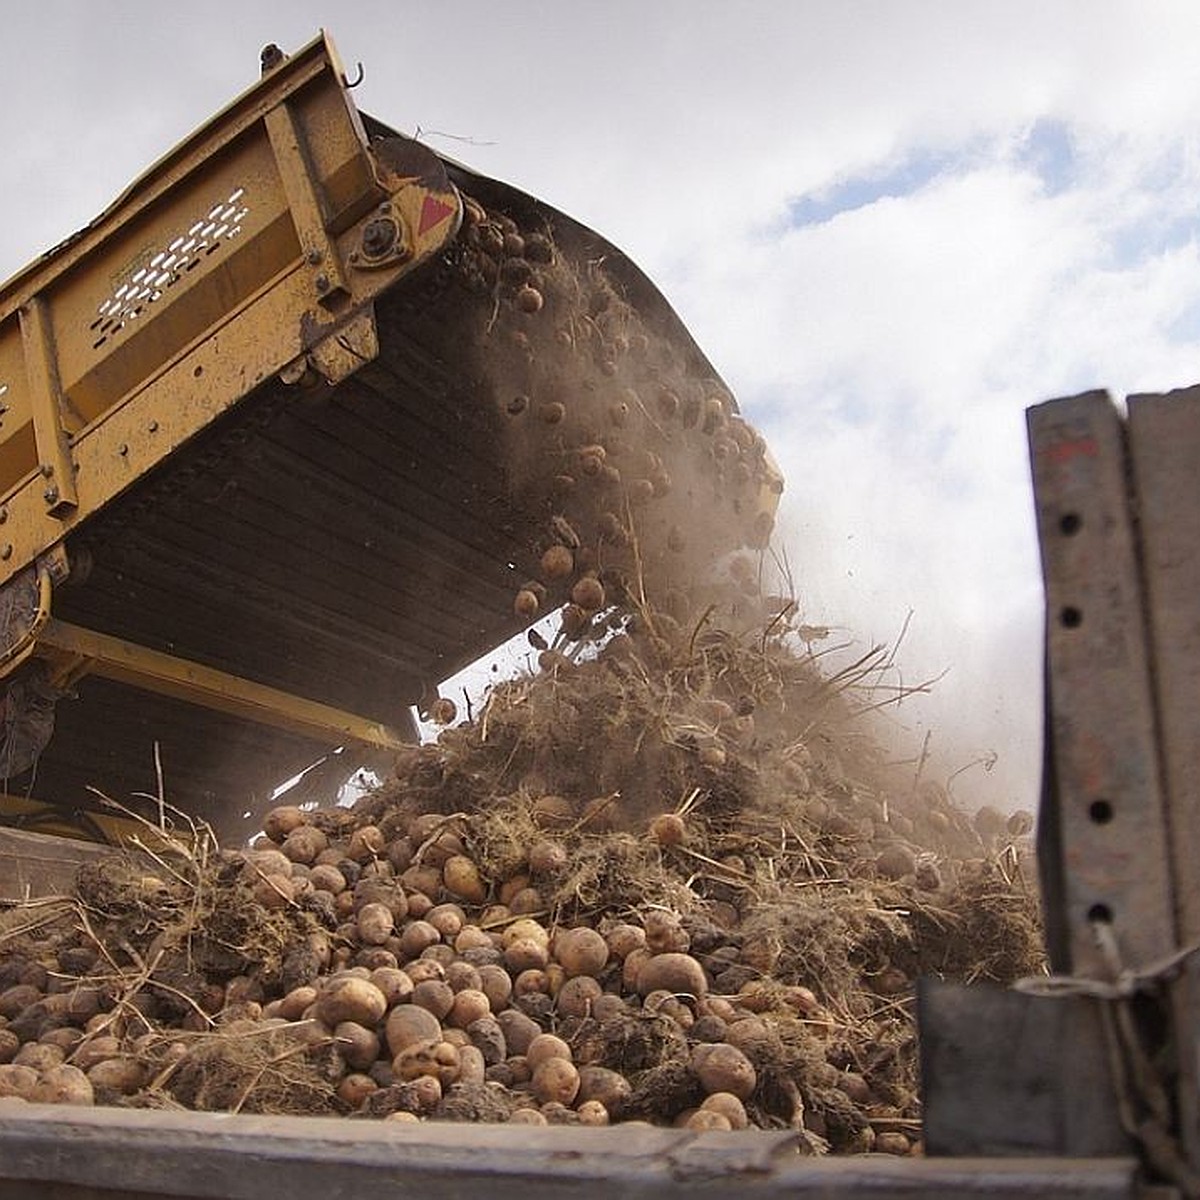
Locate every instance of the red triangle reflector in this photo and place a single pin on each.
(433, 212)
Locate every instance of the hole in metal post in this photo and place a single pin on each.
(1101, 811)
(1100, 913)
(1070, 523)
(1071, 617)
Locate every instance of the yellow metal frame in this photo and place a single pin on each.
(238, 257)
(75, 652)
(97, 388)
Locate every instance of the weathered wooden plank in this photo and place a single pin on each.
(1005, 1073)
(1164, 437)
(70, 1154)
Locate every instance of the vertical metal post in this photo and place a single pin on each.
(1110, 866)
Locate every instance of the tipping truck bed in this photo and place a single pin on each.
(259, 481)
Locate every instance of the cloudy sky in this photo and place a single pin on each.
(892, 226)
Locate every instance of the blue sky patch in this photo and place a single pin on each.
(903, 178)
(1049, 150)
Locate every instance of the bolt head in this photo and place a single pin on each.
(50, 495)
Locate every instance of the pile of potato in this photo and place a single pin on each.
(368, 961)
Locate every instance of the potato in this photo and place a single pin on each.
(609, 1007)
(526, 954)
(350, 999)
(282, 820)
(680, 974)
(892, 1143)
(577, 996)
(665, 933)
(623, 938)
(124, 1075)
(635, 960)
(409, 1024)
(292, 1006)
(553, 812)
(416, 937)
(274, 892)
(519, 1030)
(527, 1116)
(269, 862)
(547, 856)
(400, 1117)
(525, 929)
(705, 1120)
(588, 594)
(729, 1106)
(425, 880)
(487, 1036)
(9, 1045)
(471, 937)
(461, 878)
(527, 900)
(667, 1004)
(721, 1067)
(435, 1058)
(468, 1006)
(555, 1079)
(447, 919)
(471, 1065)
(592, 1112)
(496, 984)
(604, 1086)
(14, 1000)
(533, 979)
(557, 562)
(375, 924)
(544, 1046)
(355, 1088)
(16, 1080)
(395, 984)
(427, 1093)
(669, 829)
(304, 843)
(581, 951)
(366, 844)
(357, 1044)
(427, 967)
(63, 1084)
(525, 605)
(436, 995)
(40, 1057)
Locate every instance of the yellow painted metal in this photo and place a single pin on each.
(75, 652)
(48, 409)
(306, 202)
(192, 289)
(91, 822)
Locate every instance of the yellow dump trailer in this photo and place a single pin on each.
(260, 480)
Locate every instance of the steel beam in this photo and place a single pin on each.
(77, 652)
